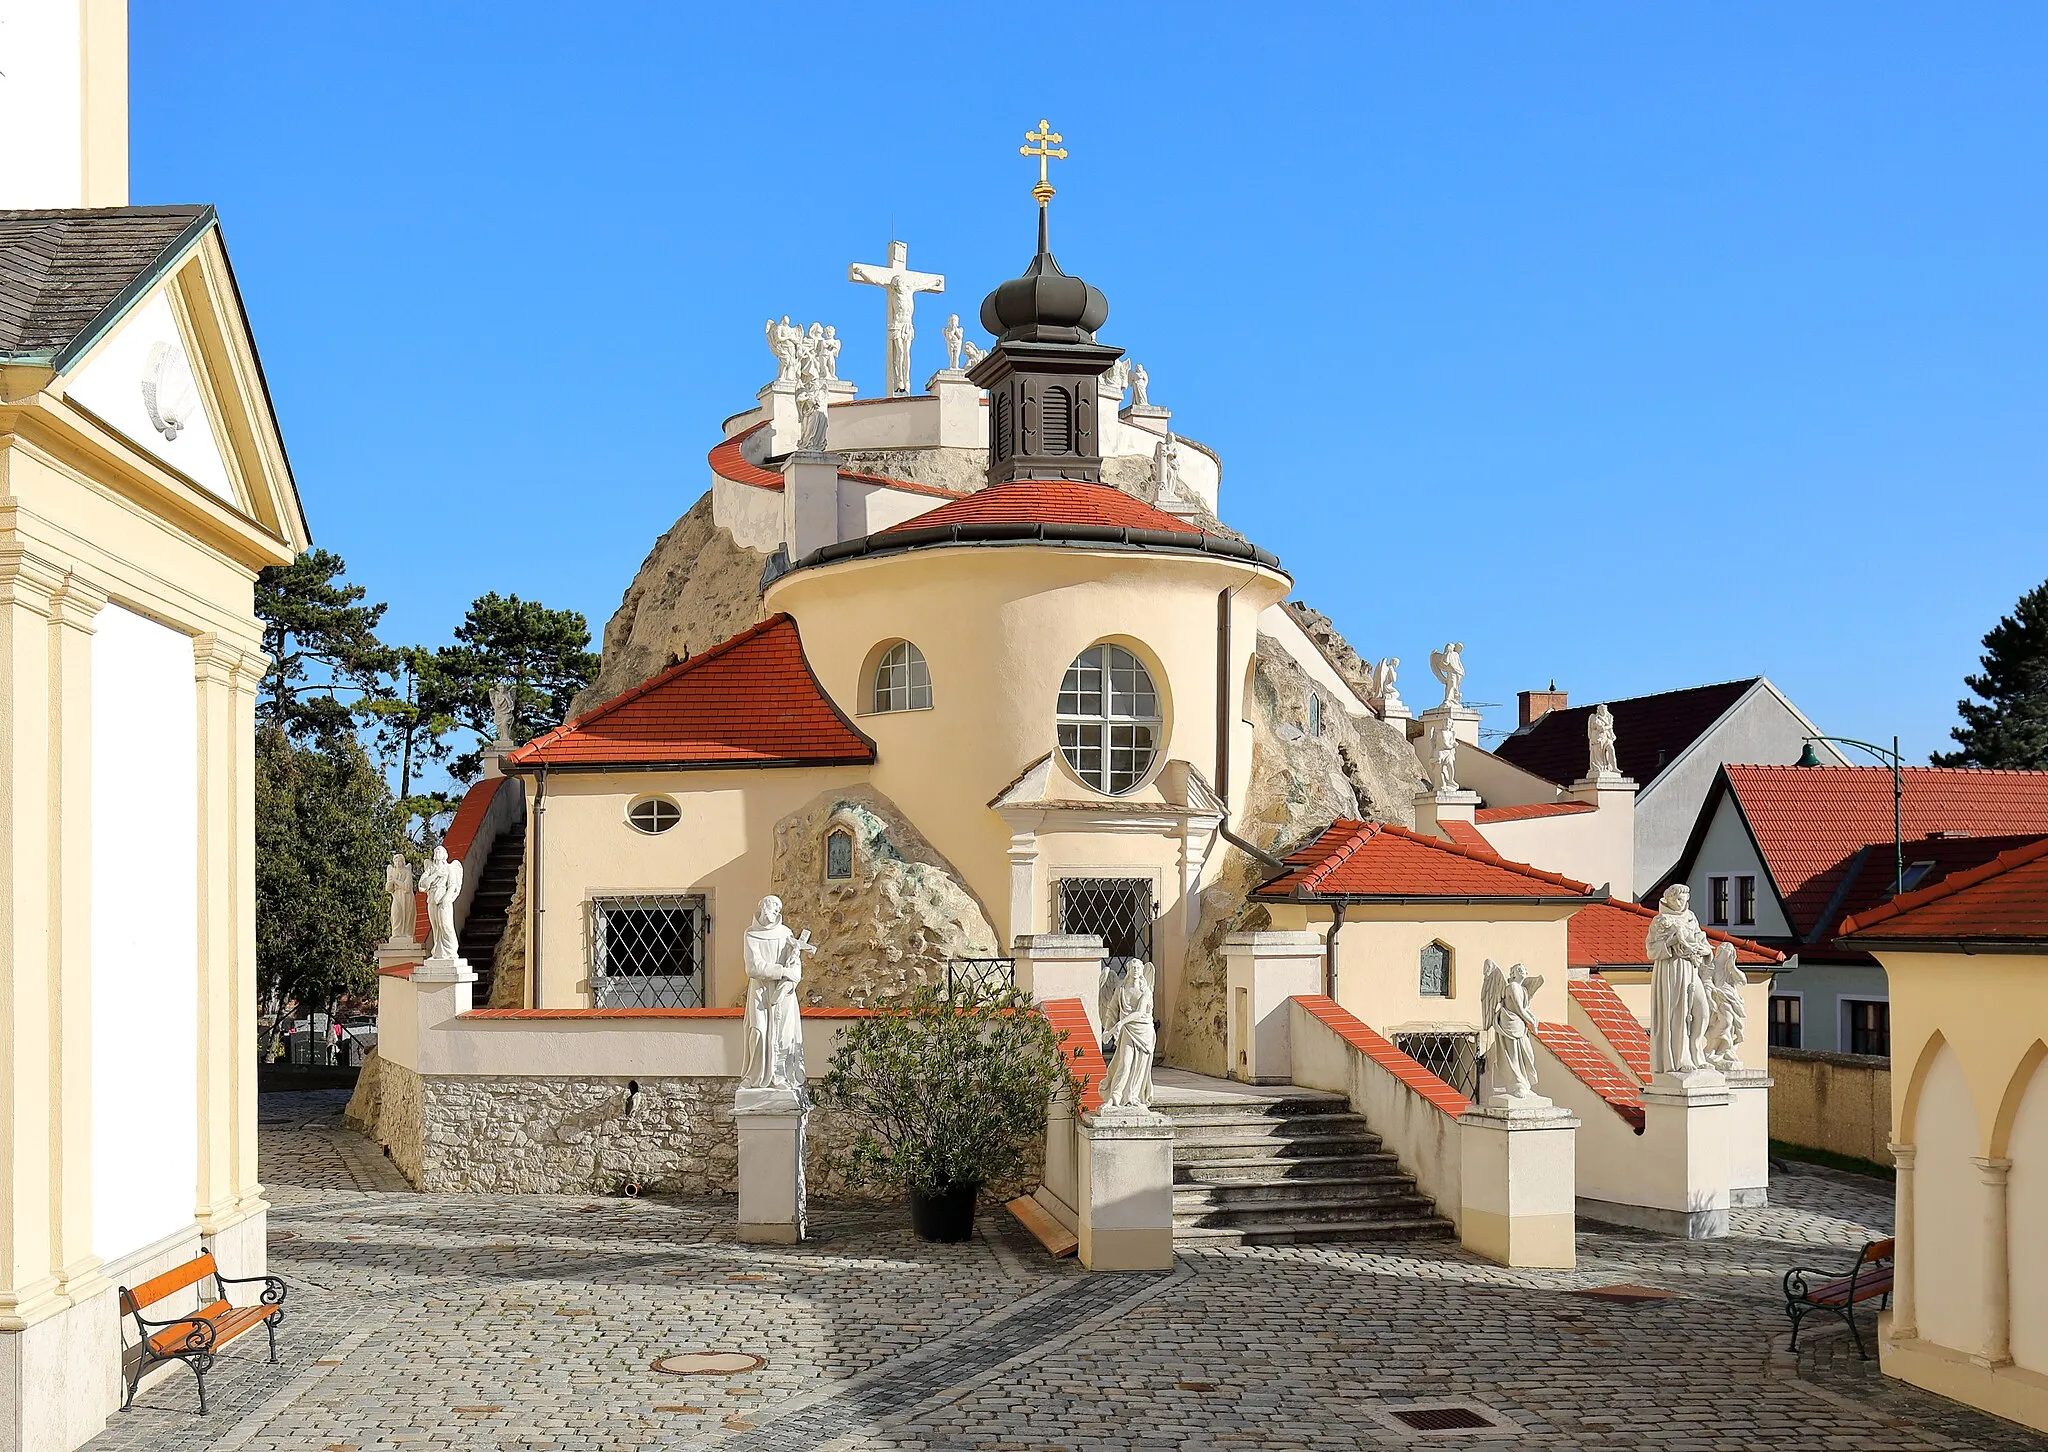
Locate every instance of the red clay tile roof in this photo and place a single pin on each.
(1377, 859)
(1615, 935)
(470, 815)
(1464, 834)
(1594, 1069)
(1811, 822)
(1348, 1027)
(1050, 501)
(1070, 1016)
(751, 701)
(1650, 732)
(905, 485)
(727, 462)
(2005, 898)
(1623, 1031)
(1532, 809)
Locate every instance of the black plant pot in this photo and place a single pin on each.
(946, 1216)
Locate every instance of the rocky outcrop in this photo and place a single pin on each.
(1336, 649)
(1359, 767)
(888, 928)
(508, 972)
(698, 586)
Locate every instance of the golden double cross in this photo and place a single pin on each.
(1045, 151)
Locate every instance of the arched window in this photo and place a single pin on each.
(839, 855)
(1315, 714)
(902, 680)
(654, 814)
(1436, 971)
(1108, 718)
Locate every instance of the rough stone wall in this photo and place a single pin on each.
(1359, 767)
(365, 1102)
(401, 1121)
(508, 971)
(892, 926)
(698, 586)
(961, 470)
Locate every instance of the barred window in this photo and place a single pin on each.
(902, 680)
(1108, 718)
(648, 951)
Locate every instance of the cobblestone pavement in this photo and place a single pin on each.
(505, 1322)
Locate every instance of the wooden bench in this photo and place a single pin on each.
(195, 1338)
(1838, 1293)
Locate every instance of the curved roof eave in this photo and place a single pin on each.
(986, 533)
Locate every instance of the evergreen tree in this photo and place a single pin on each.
(325, 828)
(322, 641)
(540, 652)
(2008, 725)
(410, 732)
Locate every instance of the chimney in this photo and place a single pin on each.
(1537, 704)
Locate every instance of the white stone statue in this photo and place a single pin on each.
(442, 883)
(1600, 744)
(1118, 378)
(828, 354)
(1141, 386)
(812, 422)
(782, 341)
(1166, 468)
(502, 699)
(971, 351)
(1379, 684)
(775, 1039)
(1504, 1000)
(1126, 1005)
(1448, 666)
(956, 336)
(1727, 1014)
(404, 914)
(1679, 951)
(1443, 742)
(900, 287)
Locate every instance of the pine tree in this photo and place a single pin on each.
(2008, 725)
(322, 642)
(540, 652)
(410, 730)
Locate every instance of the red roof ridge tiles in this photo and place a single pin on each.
(1531, 809)
(1377, 1047)
(1590, 940)
(1593, 1069)
(469, 816)
(1050, 501)
(2011, 861)
(1315, 869)
(751, 700)
(906, 485)
(1623, 1031)
(727, 462)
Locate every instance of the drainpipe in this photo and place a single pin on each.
(534, 901)
(1252, 849)
(1330, 951)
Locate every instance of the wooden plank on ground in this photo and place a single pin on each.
(1034, 1217)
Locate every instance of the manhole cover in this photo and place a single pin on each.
(707, 1363)
(1626, 1295)
(1443, 1419)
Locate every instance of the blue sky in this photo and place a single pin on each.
(1635, 346)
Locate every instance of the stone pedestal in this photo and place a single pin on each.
(1464, 721)
(962, 418)
(1517, 1182)
(1150, 417)
(1393, 708)
(810, 502)
(1126, 1191)
(1749, 1138)
(1433, 809)
(778, 407)
(397, 952)
(442, 989)
(1262, 972)
(771, 1132)
(1680, 1180)
(1062, 965)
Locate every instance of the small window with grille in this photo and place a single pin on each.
(648, 951)
(1436, 971)
(654, 815)
(839, 855)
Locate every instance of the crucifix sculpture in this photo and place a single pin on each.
(901, 287)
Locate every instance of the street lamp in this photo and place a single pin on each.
(1891, 758)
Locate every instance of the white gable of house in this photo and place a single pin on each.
(144, 379)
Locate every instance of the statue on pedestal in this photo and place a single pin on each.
(502, 704)
(1448, 666)
(1727, 1014)
(956, 338)
(398, 882)
(1679, 951)
(1141, 386)
(442, 883)
(1379, 685)
(775, 1041)
(1126, 1006)
(1166, 468)
(828, 354)
(1443, 743)
(1600, 744)
(1504, 999)
(782, 340)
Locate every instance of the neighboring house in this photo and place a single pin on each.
(1671, 744)
(1968, 964)
(1784, 853)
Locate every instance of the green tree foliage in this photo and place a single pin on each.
(542, 653)
(322, 642)
(2008, 725)
(410, 734)
(325, 828)
(948, 1092)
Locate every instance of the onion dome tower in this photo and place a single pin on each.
(1043, 373)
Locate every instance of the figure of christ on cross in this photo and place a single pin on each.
(901, 287)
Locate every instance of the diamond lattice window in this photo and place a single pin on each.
(1118, 910)
(648, 952)
(1109, 718)
(903, 682)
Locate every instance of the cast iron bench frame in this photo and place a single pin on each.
(1838, 1293)
(213, 1324)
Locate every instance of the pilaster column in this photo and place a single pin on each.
(1023, 884)
(214, 662)
(1905, 1296)
(1997, 1349)
(73, 608)
(248, 679)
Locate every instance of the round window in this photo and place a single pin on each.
(1108, 718)
(654, 814)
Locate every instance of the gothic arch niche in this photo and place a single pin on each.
(1948, 1201)
(1433, 977)
(2020, 1134)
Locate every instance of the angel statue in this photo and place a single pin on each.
(782, 341)
(1126, 1006)
(1726, 1012)
(1504, 999)
(1379, 684)
(502, 702)
(971, 351)
(1448, 666)
(1443, 742)
(1600, 744)
(398, 882)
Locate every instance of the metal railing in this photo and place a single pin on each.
(1450, 1054)
(978, 977)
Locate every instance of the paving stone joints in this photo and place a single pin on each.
(498, 1322)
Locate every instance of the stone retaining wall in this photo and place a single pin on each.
(1841, 1103)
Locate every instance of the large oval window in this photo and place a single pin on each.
(1109, 718)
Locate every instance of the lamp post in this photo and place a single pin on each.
(1891, 758)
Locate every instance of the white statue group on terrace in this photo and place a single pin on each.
(1697, 1017)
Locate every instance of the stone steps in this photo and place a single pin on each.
(484, 924)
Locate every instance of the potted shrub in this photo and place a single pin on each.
(947, 1095)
